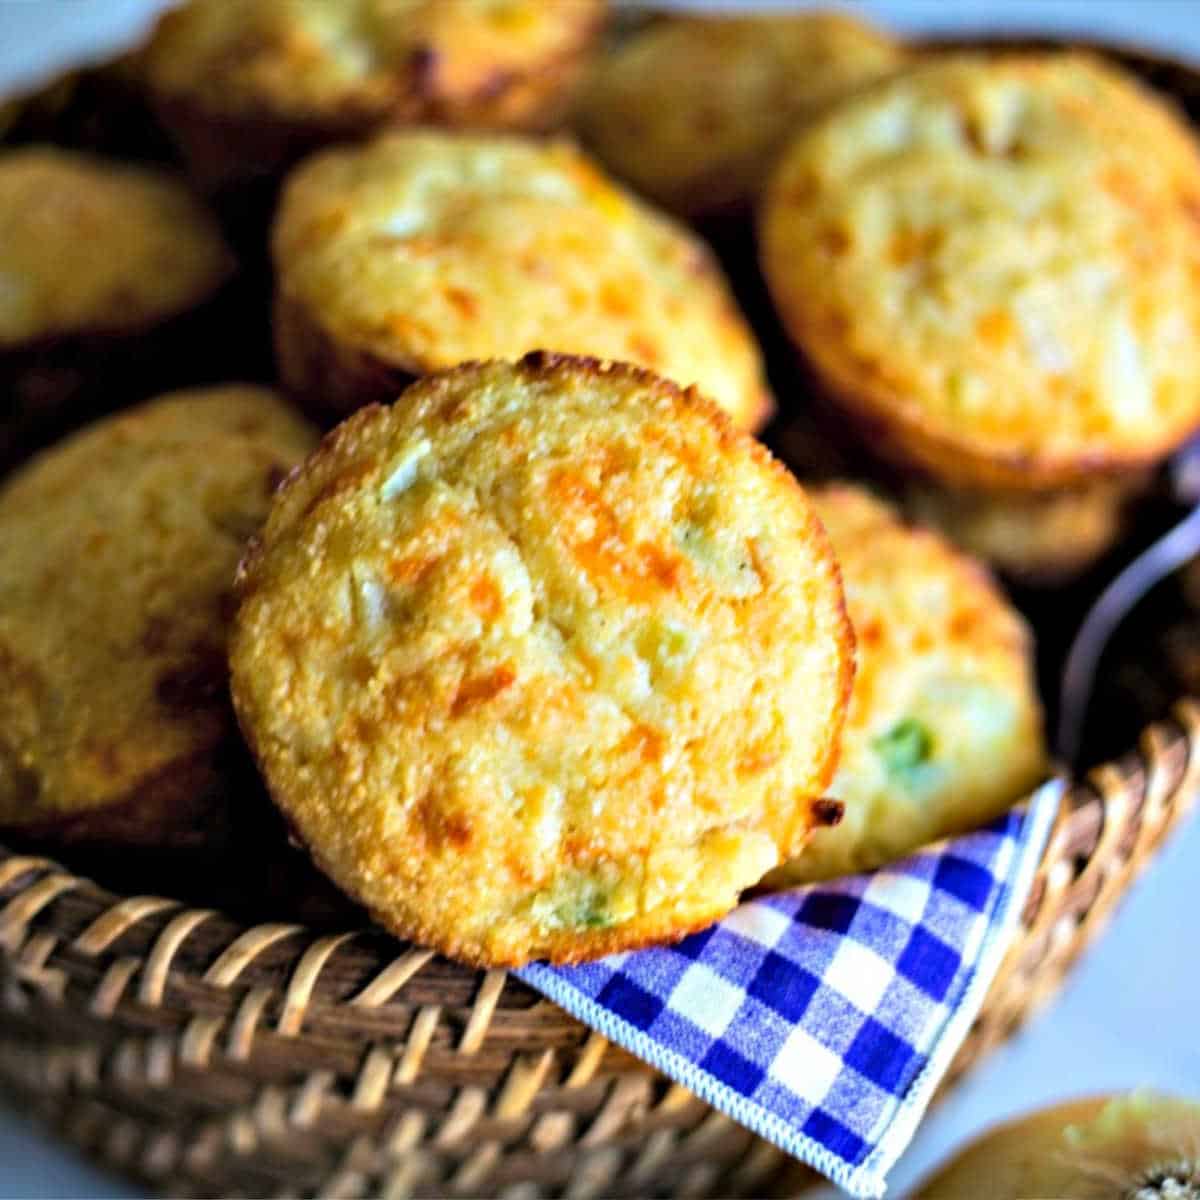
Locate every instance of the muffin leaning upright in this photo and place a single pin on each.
(944, 727)
(545, 660)
(117, 554)
(419, 251)
(993, 265)
(247, 86)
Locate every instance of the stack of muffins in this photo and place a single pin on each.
(538, 653)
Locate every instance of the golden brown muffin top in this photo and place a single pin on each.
(428, 249)
(695, 110)
(544, 661)
(347, 60)
(944, 729)
(117, 554)
(88, 245)
(995, 262)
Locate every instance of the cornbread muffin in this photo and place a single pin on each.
(695, 110)
(944, 728)
(117, 555)
(248, 85)
(1035, 537)
(994, 265)
(100, 262)
(92, 246)
(545, 661)
(423, 250)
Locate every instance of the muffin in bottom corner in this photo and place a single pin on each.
(543, 661)
(944, 729)
(419, 251)
(117, 554)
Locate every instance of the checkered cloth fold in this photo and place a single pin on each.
(823, 1018)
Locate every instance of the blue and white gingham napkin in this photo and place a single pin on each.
(823, 1018)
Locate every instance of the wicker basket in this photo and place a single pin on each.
(207, 1057)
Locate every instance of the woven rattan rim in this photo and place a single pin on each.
(405, 1066)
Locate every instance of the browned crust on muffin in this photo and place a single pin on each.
(576, 943)
(878, 414)
(222, 148)
(116, 581)
(329, 378)
(563, 949)
(825, 442)
(532, 363)
(884, 396)
(361, 310)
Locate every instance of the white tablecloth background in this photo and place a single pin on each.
(1127, 1016)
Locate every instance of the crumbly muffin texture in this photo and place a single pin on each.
(356, 62)
(944, 728)
(695, 110)
(117, 555)
(422, 250)
(994, 263)
(93, 246)
(543, 661)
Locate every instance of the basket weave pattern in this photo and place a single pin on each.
(208, 1058)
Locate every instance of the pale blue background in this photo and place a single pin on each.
(1129, 1015)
